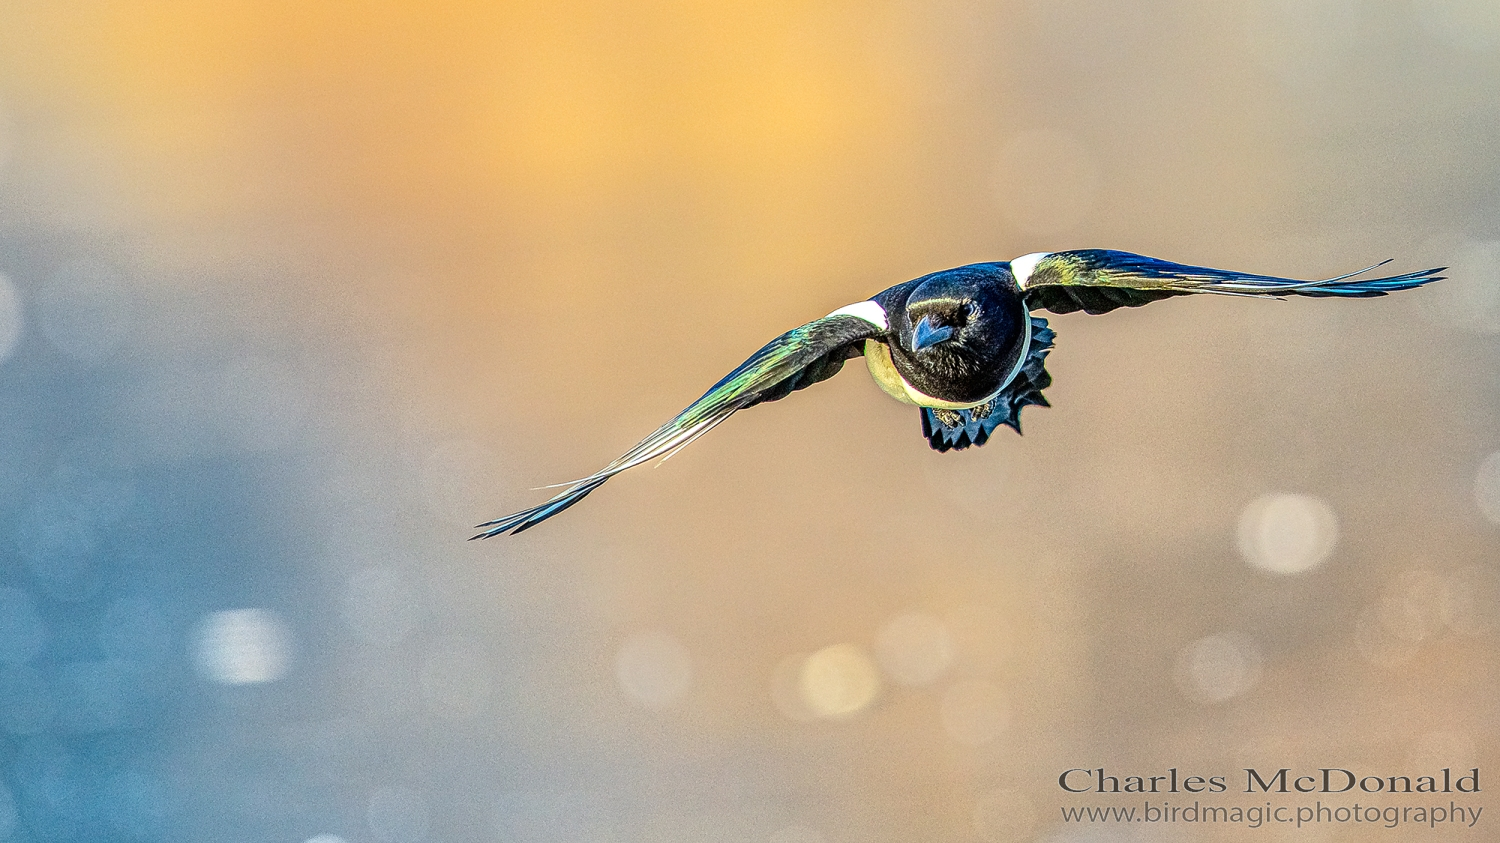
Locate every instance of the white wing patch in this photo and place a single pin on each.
(867, 310)
(1023, 266)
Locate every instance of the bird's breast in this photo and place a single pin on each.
(883, 370)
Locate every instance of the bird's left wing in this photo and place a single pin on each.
(798, 358)
(1100, 280)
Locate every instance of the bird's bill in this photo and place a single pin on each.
(926, 336)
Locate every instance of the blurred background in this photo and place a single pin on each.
(295, 293)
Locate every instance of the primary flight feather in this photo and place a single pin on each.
(960, 344)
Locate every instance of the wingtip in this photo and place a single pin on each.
(520, 522)
(490, 529)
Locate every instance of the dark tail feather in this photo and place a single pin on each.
(958, 429)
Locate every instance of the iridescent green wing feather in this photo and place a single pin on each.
(798, 358)
(1100, 280)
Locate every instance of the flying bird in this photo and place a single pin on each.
(960, 344)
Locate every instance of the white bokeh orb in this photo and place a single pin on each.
(1487, 487)
(1287, 533)
(1218, 668)
(242, 647)
(914, 649)
(653, 669)
(838, 681)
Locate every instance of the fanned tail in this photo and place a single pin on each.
(958, 429)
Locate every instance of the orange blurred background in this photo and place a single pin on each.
(298, 292)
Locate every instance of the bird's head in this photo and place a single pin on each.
(940, 320)
(960, 311)
(960, 330)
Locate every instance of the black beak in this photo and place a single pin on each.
(926, 336)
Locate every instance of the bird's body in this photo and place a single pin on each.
(960, 344)
(978, 301)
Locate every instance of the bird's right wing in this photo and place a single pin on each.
(1100, 280)
(798, 358)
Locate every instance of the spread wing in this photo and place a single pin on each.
(798, 358)
(1100, 280)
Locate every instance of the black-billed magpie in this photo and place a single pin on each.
(960, 344)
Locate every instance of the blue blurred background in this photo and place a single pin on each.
(292, 294)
